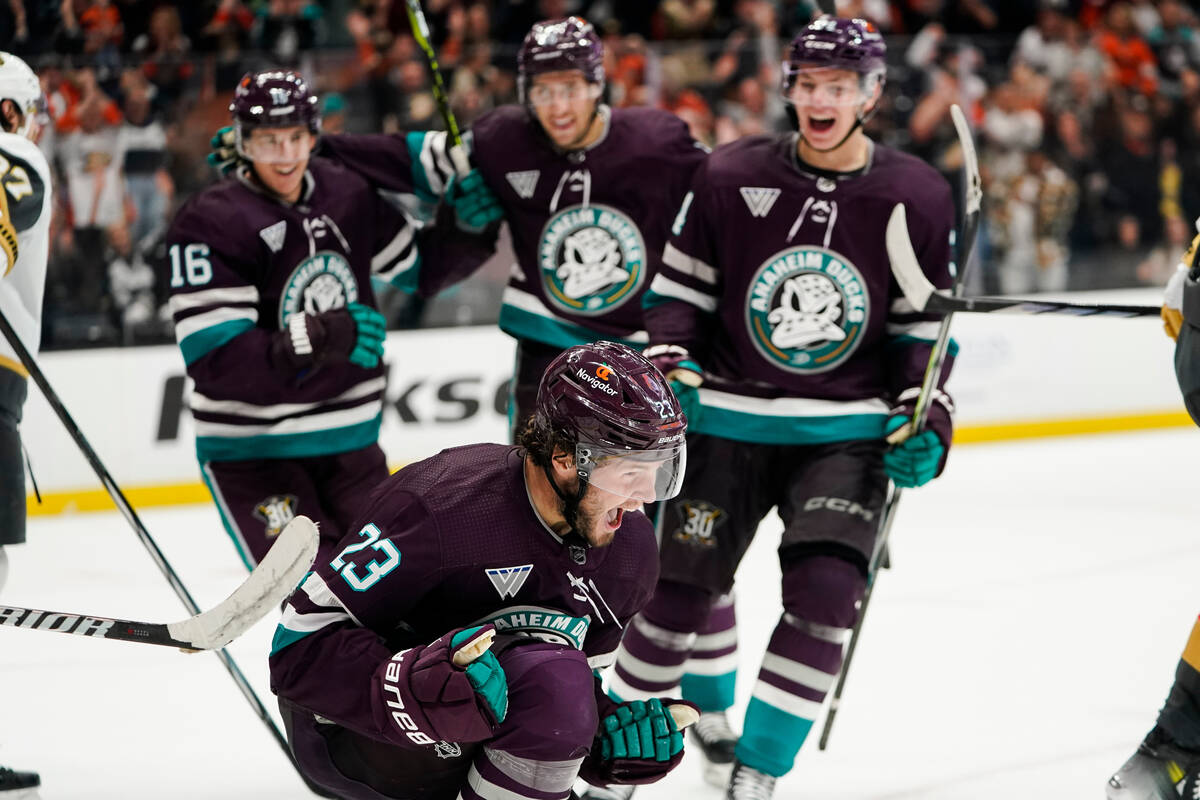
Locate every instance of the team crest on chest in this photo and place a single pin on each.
(807, 309)
(592, 259)
(277, 511)
(321, 282)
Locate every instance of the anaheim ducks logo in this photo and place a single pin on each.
(807, 309)
(592, 259)
(321, 282)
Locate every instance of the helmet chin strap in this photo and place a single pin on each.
(573, 539)
(858, 123)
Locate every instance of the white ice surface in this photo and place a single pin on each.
(1019, 648)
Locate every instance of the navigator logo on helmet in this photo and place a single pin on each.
(626, 431)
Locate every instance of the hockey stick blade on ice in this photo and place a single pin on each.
(269, 583)
(924, 297)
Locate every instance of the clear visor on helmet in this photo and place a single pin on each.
(547, 93)
(275, 145)
(643, 475)
(825, 86)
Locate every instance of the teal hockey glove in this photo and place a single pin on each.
(370, 330)
(482, 667)
(475, 207)
(224, 157)
(639, 742)
(682, 373)
(914, 461)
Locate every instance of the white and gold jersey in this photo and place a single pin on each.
(25, 178)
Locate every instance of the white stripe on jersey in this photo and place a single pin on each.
(681, 261)
(664, 286)
(186, 327)
(201, 403)
(392, 249)
(314, 422)
(431, 145)
(212, 297)
(917, 330)
(790, 406)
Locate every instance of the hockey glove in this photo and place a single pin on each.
(913, 461)
(475, 207)
(439, 696)
(370, 330)
(224, 157)
(639, 742)
(682, 373)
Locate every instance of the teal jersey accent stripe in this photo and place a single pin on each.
(226, 522)
(652, 298)
(416, 142)
(904, 340)
(709, 692)
(771, 738)
(289, 445)
(406, 281)
(285, 637)
(205, 341)
(521, 324)
(745, 427)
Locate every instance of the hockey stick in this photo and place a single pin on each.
(269, 583)
(924, 297)
(972, 203)
(420, 32)
(131, 516)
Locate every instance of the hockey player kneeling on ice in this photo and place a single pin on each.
(389, 680)
(776, 314)
(274, 310)
(1166, 765)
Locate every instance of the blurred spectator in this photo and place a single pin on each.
(333, 113)
(1029, 216)
(143, 143)
(165, 54)
(288, 28)
(1131, 62)
(1131, 163)
(131, 288)
(1176, 45)
(685, 19)
(225, 37)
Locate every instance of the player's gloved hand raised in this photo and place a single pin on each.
(638, 742)
(223, 155)
(354, 333)
(475, 207)
(911, 460)
(682, 373)
(452, 689)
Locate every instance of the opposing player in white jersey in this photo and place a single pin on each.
(24, 242)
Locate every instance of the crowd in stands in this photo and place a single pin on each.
(1086, 113)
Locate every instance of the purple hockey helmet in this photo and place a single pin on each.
(837, 43)
(627, 424)
(554, 45)
(274, 99)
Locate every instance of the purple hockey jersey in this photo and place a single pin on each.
(588, 226)
(448, 542)
(777, 279)
(241, 264)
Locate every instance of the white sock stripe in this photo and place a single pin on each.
(797, 672)
(661, 637)
(716, 641)
(826, 633)
(787, 702)
(651, 673)
(618, 687)
(490, 791)
(709, 667)
(541, 776)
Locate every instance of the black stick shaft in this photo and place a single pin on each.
(131, 516)
(86, 625)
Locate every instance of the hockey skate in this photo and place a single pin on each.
(747, 783)
(18, 785)
(1159, 770)
(716, 741)
(613, 792)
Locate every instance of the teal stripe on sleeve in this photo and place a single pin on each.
(202, 342)
(416, 144)
(904, 340)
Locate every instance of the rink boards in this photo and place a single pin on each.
(1016, 377)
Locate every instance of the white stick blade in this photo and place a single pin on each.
(905, 267)
(280, 571)
(974, 197)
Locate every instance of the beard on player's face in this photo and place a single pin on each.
(598, 514)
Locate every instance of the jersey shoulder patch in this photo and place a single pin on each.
(23, 174)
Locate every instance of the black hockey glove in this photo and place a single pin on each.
(637, 742)
(475, 207)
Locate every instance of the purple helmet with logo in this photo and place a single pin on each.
(837, 43)
(553, 45)
(621, 413)
(276, 99)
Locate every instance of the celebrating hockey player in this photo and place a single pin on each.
(275, 315)
(775, 299)
(24, 245)
(387, 682)
(588, 192)
(1166, 765)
